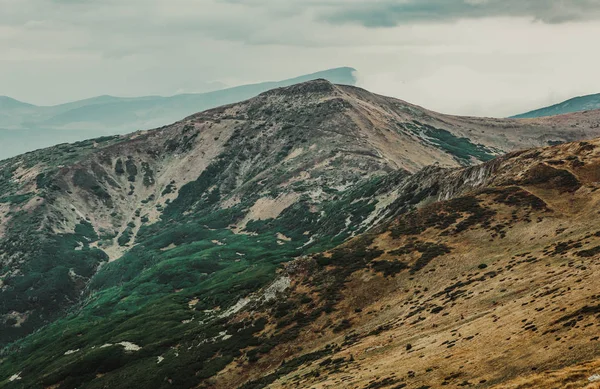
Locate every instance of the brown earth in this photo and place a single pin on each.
(498, 289)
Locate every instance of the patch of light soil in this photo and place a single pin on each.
(169, 247)
(4, 218)
(280, 236)
(114, 252)
(268, 208)
(294, 154)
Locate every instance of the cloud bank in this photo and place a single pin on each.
(480, 57)
(393, 13)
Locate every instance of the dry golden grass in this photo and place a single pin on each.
(529, 318)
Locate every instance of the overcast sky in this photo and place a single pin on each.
(477, 57)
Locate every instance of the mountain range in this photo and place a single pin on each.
(26, 127)
(316, 235)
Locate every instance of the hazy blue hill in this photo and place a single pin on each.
(15, 142)
(10, 103)
(577, 104)
(105, 99)
(102, 115)
(129, 114)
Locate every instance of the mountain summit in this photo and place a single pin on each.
(25, 127)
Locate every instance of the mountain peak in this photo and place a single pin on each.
(342, 75)
(318, 86)
(8, 102)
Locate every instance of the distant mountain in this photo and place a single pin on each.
(10, 103)
(104, 115)
(577, 104)
(15, 142)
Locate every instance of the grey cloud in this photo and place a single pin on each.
(393, 13)
(56, 50)
(262, 22)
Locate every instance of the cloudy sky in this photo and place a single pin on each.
(478, 57)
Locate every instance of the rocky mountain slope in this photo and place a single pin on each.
(144, 260)
(493, 288)
(25, 127)
(576, 104)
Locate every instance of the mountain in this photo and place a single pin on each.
(258, 243)
(10, 103)
(25, 127)
(577, 104)
(493, 288)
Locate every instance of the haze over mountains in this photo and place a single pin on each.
(26, 127)
(315, 235)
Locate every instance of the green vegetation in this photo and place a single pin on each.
(119, 167)
(143, 297)
(134, 300)
(17, 199)
(131, 169)
(50, 277)
(148, 174)
(461, 148)
(126, 236)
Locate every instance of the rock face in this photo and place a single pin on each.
(172, 239)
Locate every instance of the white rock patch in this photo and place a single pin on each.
(236, 307)
(282, 237)
(130, 346)
(280, 285)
